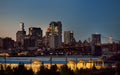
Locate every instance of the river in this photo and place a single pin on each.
(45, 59)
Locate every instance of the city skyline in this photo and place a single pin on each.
(83, 17)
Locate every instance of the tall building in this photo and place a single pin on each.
(54, 35)
(96, 45)
(68, 37)
(20, 35)
(1, 43)
(6, 43)
(29, 42)
(36, 35)
(47, 38)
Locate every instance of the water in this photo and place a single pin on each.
(45, 59)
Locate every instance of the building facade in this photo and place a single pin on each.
(1, 43)
(6, 43)
(96, 45)
(35, 35)
(68, 37)
(54, 35)
(20, 35)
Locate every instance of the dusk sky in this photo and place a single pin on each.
(84, 17)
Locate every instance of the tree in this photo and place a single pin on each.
(43, 71)
(66, 71)
(53, 70)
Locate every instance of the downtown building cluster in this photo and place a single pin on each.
(36, 44)
(35, 39)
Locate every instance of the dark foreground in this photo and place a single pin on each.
(64, 70)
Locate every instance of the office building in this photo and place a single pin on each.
(29, 43)
(96, 45)
(35, 34)
(20, 35)
(6, 43)
(1, 43)
(54, 35)
(68, 37)
(47, 38)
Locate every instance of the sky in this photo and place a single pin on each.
(83, 17)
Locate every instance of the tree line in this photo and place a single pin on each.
(54, 70)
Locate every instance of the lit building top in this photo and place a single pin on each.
(21, 26)
(48, 30)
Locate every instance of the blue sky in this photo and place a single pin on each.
(84, 17)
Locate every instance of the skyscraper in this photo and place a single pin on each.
(96, 45)
(35, 34)
(20, 35)
(54, 35)
(8, 43)
(47, 38)
(1, 43)
(68, 37)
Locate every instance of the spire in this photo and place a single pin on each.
(21, 26)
